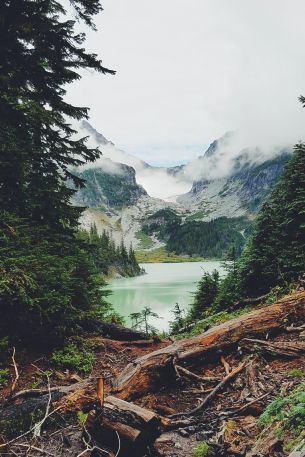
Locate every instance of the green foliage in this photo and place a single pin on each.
(82, 417)
(179, 319)
(145, 240)
(161, 255)
(208, 239)
(287, 412)
(202, 450)
(4, 375)
(296, 373)
(205, 294)
(107, 256)
(75, 357)
(274, 258)
(48, 280)
(141, 319)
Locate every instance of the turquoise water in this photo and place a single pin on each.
(163, 285)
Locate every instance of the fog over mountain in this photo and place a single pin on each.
(222, 159)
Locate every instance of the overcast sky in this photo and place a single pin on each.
(190, 70)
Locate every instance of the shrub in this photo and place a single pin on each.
(74, 357)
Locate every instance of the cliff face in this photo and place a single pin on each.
(105, 189)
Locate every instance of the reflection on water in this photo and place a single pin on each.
(163, 285)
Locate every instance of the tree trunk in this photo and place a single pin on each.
(153, 370)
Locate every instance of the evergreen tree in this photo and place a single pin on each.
(48, 277)
(205, 294)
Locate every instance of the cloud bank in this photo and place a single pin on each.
(189, 71)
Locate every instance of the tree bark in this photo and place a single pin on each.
(153, 370)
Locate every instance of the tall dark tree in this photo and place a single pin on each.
(48, 280)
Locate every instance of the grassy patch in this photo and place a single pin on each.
(296, 373)
(145, 240)
(161, 255)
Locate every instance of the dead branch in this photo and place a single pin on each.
(293, 329)
(214, 392)
(225, 365)
(244, 407)
(16, 371)
(194, 376)
(34, 448)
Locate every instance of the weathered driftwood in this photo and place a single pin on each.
(113, 331)
(279, 349)
(153, 370)
(133, 427)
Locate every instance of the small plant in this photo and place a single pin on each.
(74, 357)
(202, 450)
(296, 373)
(82, 417)
(4, 374)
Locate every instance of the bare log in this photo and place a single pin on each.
(152, 370)
(113, 331)
(280, 349)
(136, 427)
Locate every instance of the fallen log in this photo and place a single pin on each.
(135, 428)
(153, 370)
(113, 331)
(280, 349)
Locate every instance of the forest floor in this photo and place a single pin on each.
(229, 423)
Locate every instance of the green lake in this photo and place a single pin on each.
(163, 285)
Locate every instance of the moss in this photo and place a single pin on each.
(202, 450)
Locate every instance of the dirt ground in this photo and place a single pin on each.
(229, 421)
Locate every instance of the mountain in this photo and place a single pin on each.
(123, 192)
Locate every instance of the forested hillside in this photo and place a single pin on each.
(211, 239)
(273, 261)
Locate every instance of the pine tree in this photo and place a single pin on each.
(48, 280)
(205, 294)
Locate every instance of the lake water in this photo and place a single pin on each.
(163, 285)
